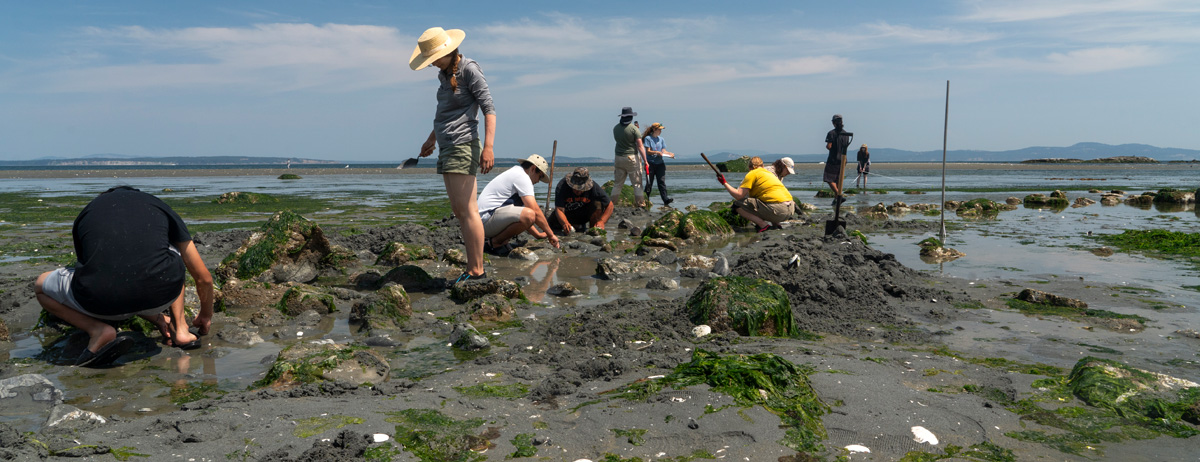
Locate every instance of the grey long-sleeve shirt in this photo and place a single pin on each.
(456, 121)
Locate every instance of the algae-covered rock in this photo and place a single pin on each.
(492, 307)
(730, 216)
(398, 253)
(239, 197)
(288, 247)
(387, 309)
(469, 290)
(932, 251)
(1042, 201)
(1110, 199)
(289, 176)
(626, 196)
(1045, 298)
(1158, 401)
(978, 208)
(316, 362)
(665, 227)
(951, 205)
(1058, 194)
(465, 337)
(750, 307)
(1144, 200)
(702, 225)
(739, 165)
(303, 298)
(1013, 200)
(1174, 196)
(1082, 202)
(455, 257)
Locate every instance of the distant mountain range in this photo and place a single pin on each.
(1084, 151)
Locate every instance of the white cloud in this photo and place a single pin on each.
(1033, 10)
(264, 57)
(1085, 61)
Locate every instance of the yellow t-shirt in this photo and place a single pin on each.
(766, 187)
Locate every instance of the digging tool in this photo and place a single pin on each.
(831, 226)
(410, 162)
(710, 164)
(550, 187)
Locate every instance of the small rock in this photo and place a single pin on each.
(522, 253)
(563, 289)
(465, 337)
(662, 283)
(721, 265)
(701, 330)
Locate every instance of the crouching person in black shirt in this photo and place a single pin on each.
(132, 252)
(579, 203)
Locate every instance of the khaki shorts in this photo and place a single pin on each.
(460, 158)
(774, 212)
(501, 219)
(57, 286)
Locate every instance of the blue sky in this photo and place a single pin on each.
(330, 80)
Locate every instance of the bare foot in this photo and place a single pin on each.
(103, 335)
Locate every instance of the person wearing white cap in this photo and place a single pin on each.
(463, 93)
(508, 207)
(783, 167)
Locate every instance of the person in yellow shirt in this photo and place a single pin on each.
(761, 198)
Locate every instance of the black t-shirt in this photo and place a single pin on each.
(578, 205)
(837, 150)
(864, 156)
(125, 264)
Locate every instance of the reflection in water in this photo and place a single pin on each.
(541, 277)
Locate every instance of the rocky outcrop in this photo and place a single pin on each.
(310, 362)
(387, 309)
(470, 290)
(288, 248)
(932, 251)
(1035, 201)
(397, 253)
(301, 298)
(1045, 298)
(618, 268)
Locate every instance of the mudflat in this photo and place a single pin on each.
(885, 362)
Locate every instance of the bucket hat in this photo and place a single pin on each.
(541, 164)
(580, 180)
(433, 44)
(627, 112)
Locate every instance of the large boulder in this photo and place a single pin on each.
(387, 309)
(748, 306)
(398, 253)
(288, 248)
(1146, 397)
(413, 278)
(310, 362)
(492, 308)
(1174, 196)
(666, 227)
(739, 165)
(303, 298)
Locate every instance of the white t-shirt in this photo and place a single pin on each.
(506, 189)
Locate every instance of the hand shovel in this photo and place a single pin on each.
(411, 162)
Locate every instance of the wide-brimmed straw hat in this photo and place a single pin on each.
(433, 44)
(580, 180)
(541, 164)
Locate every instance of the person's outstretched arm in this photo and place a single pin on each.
(204, 285)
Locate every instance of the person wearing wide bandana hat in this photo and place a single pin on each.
(462, 94)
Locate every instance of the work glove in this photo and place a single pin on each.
(647, 169)
(721, 178)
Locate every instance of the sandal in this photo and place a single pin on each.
(764, 229)
(468, 277)
(106, 354)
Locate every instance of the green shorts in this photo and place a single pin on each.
(460, 158)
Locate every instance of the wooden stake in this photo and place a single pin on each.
(550, 187)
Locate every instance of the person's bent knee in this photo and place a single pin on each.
(37, 283)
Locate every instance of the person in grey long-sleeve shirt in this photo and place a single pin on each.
(462, 93)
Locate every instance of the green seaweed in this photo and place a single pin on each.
(307, 369)
(761, 379)
(524, 444)
(191, 391)
(1001, 363)
(125, 452)
(1159, 241)
(748, 306)
(382, 453)
(985, 451)
(296, 299)
(635, 436)
(433, 437)
(491, 390)
(263, 254)
(317, 425)
(700, 224)
(289, 176)
(1033, 309)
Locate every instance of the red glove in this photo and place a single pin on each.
(647, 169)
(721, 178)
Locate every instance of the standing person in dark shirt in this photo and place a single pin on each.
(630, 157)
(132, 253)
(864, 165)
(579, 203)
(836, 141)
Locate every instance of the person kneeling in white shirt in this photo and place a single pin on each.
(507, 206)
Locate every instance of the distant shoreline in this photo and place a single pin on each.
(375, 170)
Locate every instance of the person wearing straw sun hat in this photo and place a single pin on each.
(508, 207)
(864, 165)
(630, 156)
(462, 94)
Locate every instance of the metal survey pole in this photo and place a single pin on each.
(945, 130)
